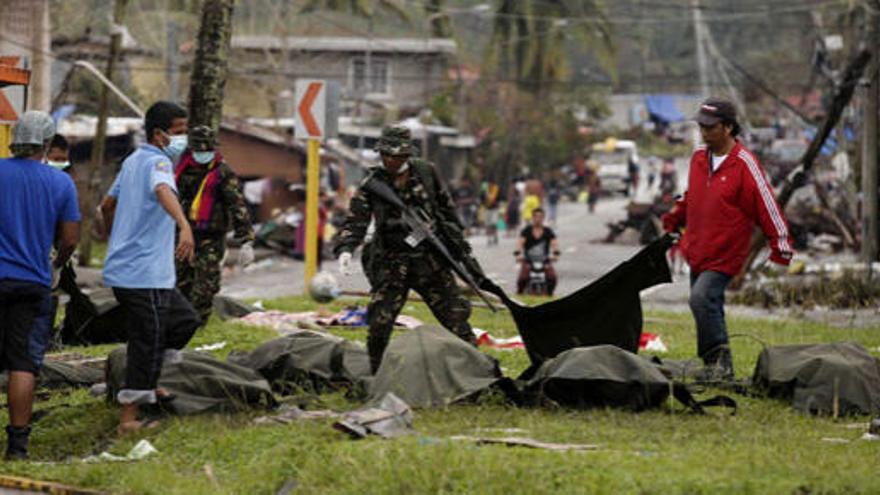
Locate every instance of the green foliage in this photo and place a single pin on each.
(443, 107)
(531, 132)
(765, 448)
(530, 39)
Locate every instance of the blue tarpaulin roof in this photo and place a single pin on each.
(662, 108)
(830, 144)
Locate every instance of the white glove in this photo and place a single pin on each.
(246, 254)
(345, 263)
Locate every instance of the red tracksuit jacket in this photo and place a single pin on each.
(720, 210)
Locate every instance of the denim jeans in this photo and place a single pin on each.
(707, 305)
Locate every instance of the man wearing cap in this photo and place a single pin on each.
(141, 211)
(392, 262)
(728, 194)
(211, 196)
(38, 209)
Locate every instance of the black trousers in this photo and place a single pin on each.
(158, 319)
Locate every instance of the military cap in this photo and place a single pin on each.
(201, 138)
(396, 141)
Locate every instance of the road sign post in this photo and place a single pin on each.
(316, 116)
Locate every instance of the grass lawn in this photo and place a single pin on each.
(765, 448)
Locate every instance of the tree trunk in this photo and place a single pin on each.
(210, 66)
(94, 171)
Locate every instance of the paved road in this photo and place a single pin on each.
(582, 261)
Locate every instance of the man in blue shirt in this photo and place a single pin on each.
(38, 208)
(140, 211)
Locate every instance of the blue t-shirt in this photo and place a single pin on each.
(141, 251)
(34, 199)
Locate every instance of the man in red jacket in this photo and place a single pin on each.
(728, 193)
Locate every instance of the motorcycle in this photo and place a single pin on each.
(537, 274)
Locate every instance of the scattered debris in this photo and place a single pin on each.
(504, 430)
(870, 437)
(651, 342)
(527, 442)
(485, 339)
(211, 347)
(288, 487)
(289, 414)
(834, 440)
(17, 484)
(392, 417)
(98, 389)
(311, 320)
(209, 472)
(140, 451)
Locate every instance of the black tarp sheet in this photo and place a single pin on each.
(605, 312)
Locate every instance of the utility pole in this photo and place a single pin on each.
(700, 39)
(365, 89)
(93, 175)
(869, 143)
(41, 43)
(172, 62)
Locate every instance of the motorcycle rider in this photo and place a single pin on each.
(537, 243)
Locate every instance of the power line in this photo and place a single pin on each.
(761, 13)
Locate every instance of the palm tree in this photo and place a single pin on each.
(211, 64)
(530, 38)
(440, 26)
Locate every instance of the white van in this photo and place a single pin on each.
(613, 157)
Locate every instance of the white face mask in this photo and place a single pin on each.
(203, 157)
(59, 165)
(176, 145)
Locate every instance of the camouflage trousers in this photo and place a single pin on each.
(199, 281)
(431, 280)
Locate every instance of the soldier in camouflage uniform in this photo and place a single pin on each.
(211, 197)
(392, 265)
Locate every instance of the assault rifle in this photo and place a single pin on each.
(422, 229)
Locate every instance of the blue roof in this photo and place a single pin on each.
(662, 108)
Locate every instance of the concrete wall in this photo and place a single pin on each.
(413, 78)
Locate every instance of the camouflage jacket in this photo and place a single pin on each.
(423, 188)
(230, 209)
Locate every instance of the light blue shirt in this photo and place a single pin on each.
(141, 251)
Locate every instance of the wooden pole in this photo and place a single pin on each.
(93, 175)
(869, 148)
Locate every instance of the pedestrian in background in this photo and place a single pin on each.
(38, 209)
(211, 197)
(553, 195)
(140, 212)
(511, 215)
(728, 194)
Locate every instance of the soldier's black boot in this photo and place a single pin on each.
(17, 442)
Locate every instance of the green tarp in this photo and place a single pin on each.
(430, 367)
(308, 359)
(200, 383)
(607, 376)
(816, 376)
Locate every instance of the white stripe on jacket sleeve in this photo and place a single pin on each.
(769, 201)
